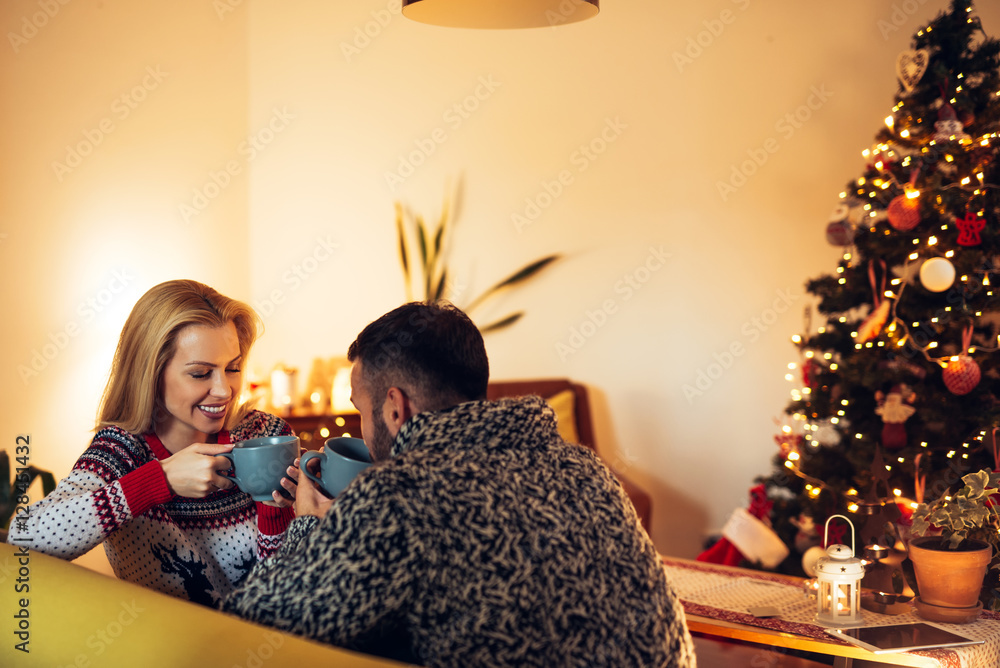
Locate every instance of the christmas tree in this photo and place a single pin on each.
(899, 382)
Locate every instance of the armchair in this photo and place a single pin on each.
(572, 406)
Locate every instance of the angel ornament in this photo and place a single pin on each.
(895, 408)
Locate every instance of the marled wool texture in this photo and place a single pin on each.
(484, 541)
(191, 548)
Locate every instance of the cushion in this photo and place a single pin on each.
(564, 405)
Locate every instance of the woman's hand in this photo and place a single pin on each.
(193, 472)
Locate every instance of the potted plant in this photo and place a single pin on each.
(423, 255)
(14, 490)
(955, 539)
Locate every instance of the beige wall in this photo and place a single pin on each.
(113, 114)
(338, 95)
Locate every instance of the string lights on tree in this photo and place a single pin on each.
(905, 364)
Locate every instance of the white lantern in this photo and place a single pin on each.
(839, 576)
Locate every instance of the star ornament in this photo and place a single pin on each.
(969, 229)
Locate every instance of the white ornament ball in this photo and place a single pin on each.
(810, 558)
(937, 274)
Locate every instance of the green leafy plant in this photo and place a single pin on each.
(12, 489)
(423, 254)
(968, 514)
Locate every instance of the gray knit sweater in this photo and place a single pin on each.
(485, 540)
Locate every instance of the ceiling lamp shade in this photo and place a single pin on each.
(499, 13)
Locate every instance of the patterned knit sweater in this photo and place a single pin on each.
(484, 540)
(117, 494)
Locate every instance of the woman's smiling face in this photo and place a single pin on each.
(200, 383)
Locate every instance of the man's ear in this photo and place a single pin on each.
(397, 409)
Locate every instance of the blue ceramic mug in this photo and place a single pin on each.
(342, 459)
(259, 464)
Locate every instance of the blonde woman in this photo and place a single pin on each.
(149, 486)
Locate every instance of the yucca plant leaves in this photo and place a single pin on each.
(5, 483)
(433, 249)
(434, 268)
(11, 488)
(518, 276)
(403, 255)
(438, 292)
(500, 324)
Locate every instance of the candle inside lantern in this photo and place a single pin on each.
(839, 577)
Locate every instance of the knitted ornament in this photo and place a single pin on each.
(904, 212)
(807, 536)
(911, 65)
(948, 127)
(895, 409)
(969, 229)
(840, 231)
(961, 375)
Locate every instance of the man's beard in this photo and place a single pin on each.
(381, 445)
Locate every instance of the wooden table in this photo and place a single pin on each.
(844, 656)
(702, 623)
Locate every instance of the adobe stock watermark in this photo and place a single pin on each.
(363, 35)
(901, 14)
(704, 39)
(786, 127)
(87, 310)
(121, 108)
(296, 275)
(564, 11)
(224, 7)
(751, 330)
(580, 160)
(220, 179)
(257, 656)
(454, 117)
(31, 24)
(624, 288)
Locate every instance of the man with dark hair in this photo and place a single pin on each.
(426, 355)
(479, 538)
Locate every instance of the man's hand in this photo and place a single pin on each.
(288, 485)
(309, 500)
(193, 472)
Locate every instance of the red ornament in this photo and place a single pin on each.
(836, 535)
(969, 229)
(961, 375)
(904, 213)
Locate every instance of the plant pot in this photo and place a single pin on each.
(949, 578)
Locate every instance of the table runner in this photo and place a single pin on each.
(710, 592)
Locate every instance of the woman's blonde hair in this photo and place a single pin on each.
(132, 398)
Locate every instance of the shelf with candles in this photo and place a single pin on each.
(313, 429)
